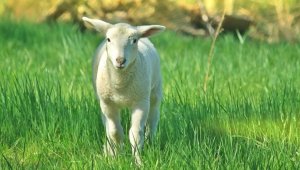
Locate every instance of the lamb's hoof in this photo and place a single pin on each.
(138, 161)
(112, 150)
(108, 151)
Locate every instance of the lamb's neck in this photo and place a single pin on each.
(120, 78)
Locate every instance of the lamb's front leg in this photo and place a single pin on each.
(136, 132)
(114, 131)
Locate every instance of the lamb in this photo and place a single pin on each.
(126, 73)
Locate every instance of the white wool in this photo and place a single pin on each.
(126, 73)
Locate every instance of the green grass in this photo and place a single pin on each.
(49, 117)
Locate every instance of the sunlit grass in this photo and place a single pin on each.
(49, 117)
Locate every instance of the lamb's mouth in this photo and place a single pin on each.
(121, 66)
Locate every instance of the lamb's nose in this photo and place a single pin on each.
(121, 60)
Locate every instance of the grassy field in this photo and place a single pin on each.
(49, 118)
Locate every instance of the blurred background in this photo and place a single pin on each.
(266, 20)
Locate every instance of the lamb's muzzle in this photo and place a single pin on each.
(121, 61)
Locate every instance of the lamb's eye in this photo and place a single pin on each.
(134, 40)
(108, 40)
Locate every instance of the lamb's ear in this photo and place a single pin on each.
(99, 25)
(149, 30)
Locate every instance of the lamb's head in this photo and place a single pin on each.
(122, 40)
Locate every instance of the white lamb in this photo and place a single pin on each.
(126, 73)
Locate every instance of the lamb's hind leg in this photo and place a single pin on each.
(114, 131)
(153, 119)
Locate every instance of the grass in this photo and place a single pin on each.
(49, 117)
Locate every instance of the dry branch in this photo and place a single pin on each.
(211, 52)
